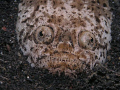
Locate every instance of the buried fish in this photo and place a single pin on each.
(64, 35)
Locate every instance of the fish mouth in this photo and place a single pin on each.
(64, 61)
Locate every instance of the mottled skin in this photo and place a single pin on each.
(64, 35)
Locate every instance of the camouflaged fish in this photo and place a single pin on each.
(64, 35)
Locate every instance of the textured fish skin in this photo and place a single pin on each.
(64, 35)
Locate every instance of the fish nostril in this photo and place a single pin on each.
(64, 47)
(65, 36)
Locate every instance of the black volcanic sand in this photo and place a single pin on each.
(16, 73)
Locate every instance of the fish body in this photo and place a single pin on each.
(64, 35)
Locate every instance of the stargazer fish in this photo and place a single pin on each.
(64, 35)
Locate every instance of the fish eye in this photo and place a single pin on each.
(44, 34)
(86, 40)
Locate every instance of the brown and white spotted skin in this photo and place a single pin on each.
(64, 35)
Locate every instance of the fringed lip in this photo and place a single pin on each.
(64, 61)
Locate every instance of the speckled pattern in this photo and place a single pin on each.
(17, 74)
(64, 35)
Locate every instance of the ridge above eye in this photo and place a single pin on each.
(44, 34)
(86, 40)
